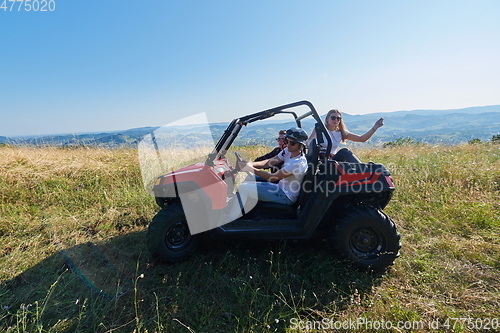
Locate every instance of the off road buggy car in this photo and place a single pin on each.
(346, 197)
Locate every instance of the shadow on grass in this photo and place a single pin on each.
(224, 287)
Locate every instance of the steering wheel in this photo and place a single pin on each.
(236, 168)
(238, 160)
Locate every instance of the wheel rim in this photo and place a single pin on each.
(366, 243)
(178, 236)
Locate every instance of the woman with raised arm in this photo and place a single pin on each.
(339, 134)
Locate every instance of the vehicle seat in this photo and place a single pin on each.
(312, 151)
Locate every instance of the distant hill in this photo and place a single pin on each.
(114, 139)
(431, 126)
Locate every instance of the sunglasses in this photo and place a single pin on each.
(292, 143)
(335, 118)
(280, 139)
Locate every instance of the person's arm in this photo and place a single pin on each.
(362, 138)
(270, 177)
(264, 164)
(269, 155)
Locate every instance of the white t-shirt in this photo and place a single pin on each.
(336, 137)
(297, 166)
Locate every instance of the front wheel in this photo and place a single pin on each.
(168, 235)
(366, 237)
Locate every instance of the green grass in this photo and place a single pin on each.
(73, 256)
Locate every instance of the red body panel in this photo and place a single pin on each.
(358, 178)
(205, 178)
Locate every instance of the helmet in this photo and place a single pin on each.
(297, 134)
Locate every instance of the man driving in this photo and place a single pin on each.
(288, 178)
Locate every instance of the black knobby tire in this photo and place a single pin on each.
(168, 235)
(366, 237)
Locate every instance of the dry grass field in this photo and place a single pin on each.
(73, 257)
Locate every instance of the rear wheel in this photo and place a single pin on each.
(168, 235)
(366, 237)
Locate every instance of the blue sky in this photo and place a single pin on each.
(111, 65)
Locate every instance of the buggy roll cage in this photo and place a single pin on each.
(237, 124)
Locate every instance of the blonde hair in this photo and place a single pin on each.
(342, 127)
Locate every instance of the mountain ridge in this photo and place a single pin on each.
(452, 126)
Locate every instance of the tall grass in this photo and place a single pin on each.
(73, 258)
